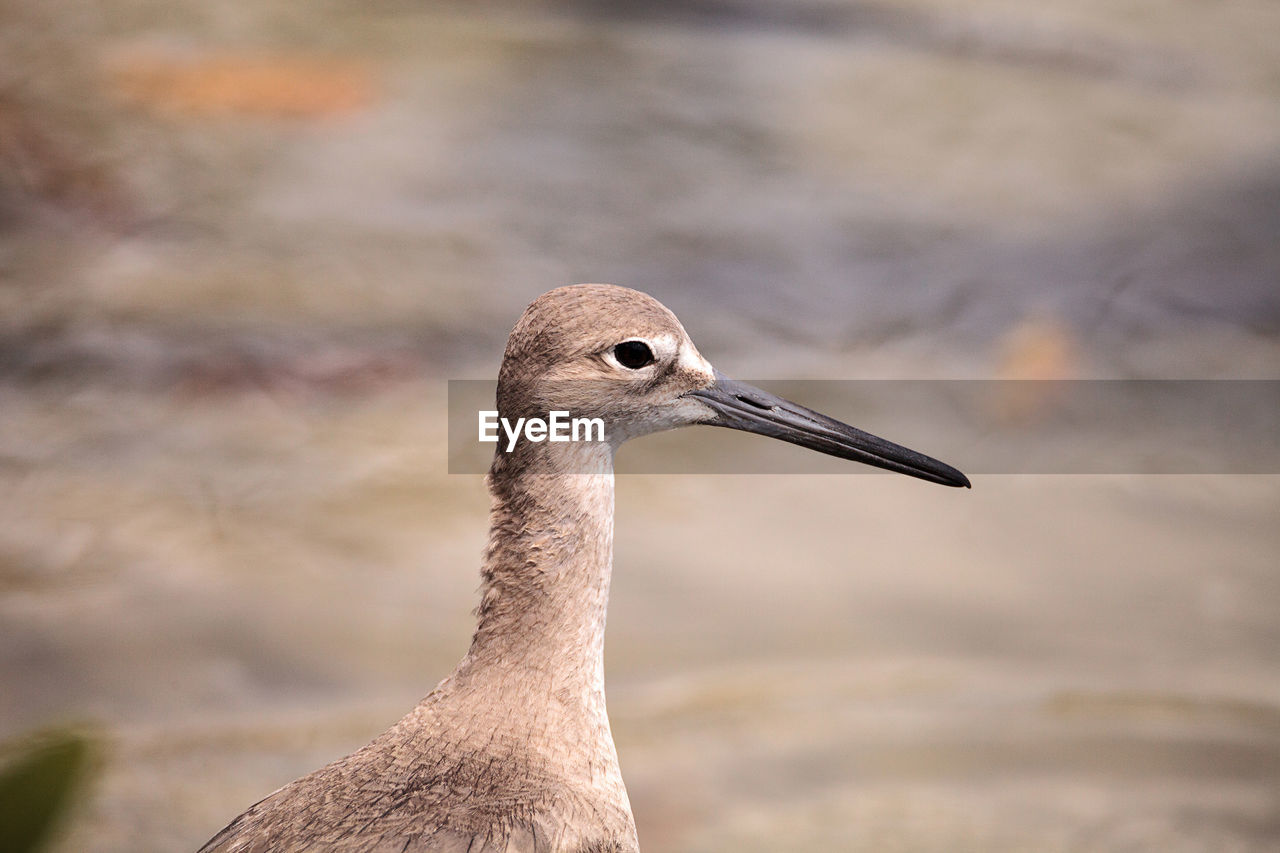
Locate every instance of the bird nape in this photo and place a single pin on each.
(512, 751)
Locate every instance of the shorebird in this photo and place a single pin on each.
(512, 752)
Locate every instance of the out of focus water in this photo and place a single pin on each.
(244, 245)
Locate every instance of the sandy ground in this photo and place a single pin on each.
(235, 280)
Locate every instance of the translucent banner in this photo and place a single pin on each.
(978, 426)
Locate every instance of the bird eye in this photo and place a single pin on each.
(633, 355)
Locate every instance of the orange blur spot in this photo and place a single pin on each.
(270, 86)
(1038, 348)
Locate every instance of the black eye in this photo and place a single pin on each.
(633, 355)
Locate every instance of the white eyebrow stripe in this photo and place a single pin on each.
(664, 346)
(691, 359)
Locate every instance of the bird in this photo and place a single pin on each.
(512, 752)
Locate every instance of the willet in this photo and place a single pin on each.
(512, 752)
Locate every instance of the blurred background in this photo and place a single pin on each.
(243, 245)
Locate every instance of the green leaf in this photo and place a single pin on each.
(38, 786)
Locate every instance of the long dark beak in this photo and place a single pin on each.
(741, 406)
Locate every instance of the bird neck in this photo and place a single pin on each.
(546, 572)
